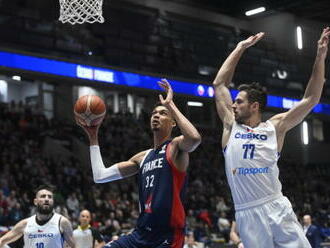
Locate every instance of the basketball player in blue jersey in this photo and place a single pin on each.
(251, 149)
(45, 229)
(161, 177)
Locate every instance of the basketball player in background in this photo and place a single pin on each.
(251, 149)
(86, 236)
(45, 229)
(161, 176)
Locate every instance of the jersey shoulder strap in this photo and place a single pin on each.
(145, 156)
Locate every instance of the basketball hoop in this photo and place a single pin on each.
(81, 11)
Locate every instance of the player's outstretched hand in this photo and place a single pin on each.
(253, 39)
(91, 131)
(168, 89)
(322, 44)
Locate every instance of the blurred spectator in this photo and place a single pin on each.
(15, 214)
(234, 236)
(312, 232)
(72, 204)
(221, 205)
(224, 226)
(191, 220)
(190, 241)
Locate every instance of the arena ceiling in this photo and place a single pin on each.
(318, 10)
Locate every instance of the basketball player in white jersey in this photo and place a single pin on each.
(45, 229)
(251, 149)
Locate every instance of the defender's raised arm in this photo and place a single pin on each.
(223, 79)
(285, 121)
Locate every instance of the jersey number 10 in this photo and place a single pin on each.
(249, 151)
(39, 245)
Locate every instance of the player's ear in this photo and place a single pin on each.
(173, 123)
(35, 201)
(255, 106)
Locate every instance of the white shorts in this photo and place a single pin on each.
(271, 225)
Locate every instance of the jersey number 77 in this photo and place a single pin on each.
(249, 151)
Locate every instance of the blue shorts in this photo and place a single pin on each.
(146, 239)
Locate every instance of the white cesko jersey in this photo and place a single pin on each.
(251, 164)
(45, 236)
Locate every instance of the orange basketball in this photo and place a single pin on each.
(89, 110)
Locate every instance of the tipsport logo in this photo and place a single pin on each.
(250, 171)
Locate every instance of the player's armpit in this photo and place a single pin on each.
(14, 234)
(66, 228)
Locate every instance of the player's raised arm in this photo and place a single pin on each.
(223, 79)
(285, 121)
(190, 138)
(102, 174)
(14, 234)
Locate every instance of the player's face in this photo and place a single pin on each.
(84, 218)
(161, 119)
(44, 202)
(242, 107)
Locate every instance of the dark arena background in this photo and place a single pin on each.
(46, 65)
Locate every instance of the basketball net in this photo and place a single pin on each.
(81, 11)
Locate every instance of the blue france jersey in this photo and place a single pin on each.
(161, 191)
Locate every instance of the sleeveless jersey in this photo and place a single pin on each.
(251, 164)
(161, 191)
(45, 236)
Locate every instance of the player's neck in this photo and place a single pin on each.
(43, 218)
(160, 138)
(254, 121)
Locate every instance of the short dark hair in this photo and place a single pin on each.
(48, 187)
(157, 104)
(255, 93)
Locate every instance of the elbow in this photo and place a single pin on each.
(196, 140)
(217, 83)
(313, 101)
(98, 179)
(191, 143)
